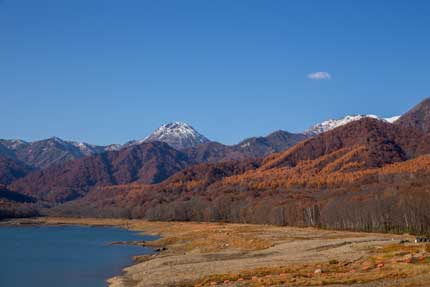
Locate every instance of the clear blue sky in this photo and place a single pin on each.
(106, 71)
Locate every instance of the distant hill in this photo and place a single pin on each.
(44, 153)
(274, 142)
(255, 147)
(146, 163)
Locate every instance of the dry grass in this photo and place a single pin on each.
(394, 261)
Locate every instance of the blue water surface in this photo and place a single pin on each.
(63, 256)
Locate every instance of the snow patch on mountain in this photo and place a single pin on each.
(86, 148)
(334, 123)
(392, 119)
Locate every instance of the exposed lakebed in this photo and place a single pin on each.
(65, 255)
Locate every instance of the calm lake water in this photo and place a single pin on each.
(64, 255)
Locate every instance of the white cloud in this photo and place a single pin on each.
(319, 76)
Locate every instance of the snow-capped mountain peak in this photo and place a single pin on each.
(334, 123)
(179, 135)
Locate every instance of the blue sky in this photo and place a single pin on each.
(106, 71)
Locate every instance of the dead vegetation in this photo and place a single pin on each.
(390, 262)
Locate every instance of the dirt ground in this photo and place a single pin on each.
(216, 254)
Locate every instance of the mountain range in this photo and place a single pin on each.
(369, 175)
(181, 136)
(339, 174)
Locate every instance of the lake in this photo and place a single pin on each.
(43, 256)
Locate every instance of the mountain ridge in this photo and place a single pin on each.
(181, 136)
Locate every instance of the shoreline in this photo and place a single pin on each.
(48, 221)
(218, 254)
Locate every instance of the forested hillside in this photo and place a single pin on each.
(368, 175)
